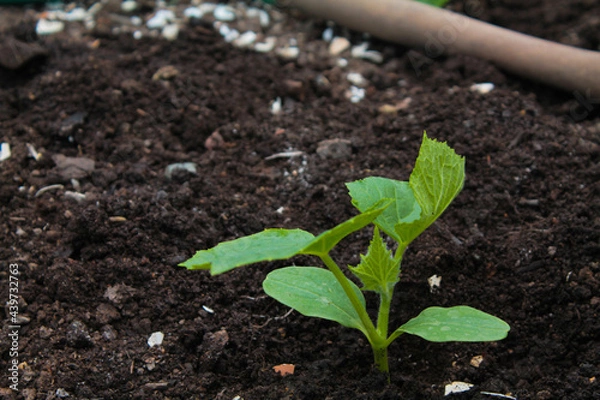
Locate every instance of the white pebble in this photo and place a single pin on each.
(338, 45)
(482, 88)
(156, 339)
(224, 13)
(206, 8)
(245, 40)
(76, 14)
(264, 19)
(46, 27)
(342, 62)
(327, 34)
(361, 51)
(136, 21)
(266, 46)
(457, 387)
(170, 32)
(193, 12)
(137, 35)
(357, 79)
(288, 53)
(276, 106)
(356, 94)
(160, 19)
(232, 35)
(434, 281)
(208, 309)
(129, 6)
(5, 152)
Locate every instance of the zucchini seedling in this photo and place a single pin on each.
(402, 210)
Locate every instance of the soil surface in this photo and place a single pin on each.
(96, 229)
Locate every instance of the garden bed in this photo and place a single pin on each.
(97, 244)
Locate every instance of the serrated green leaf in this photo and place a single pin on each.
(437, 178)
(377, 269)
(327, 240)
(268, 245)
(404, 208)
(314, 292)
(456, 324)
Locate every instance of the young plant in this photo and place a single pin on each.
(402, 210)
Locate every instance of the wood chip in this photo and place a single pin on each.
(284, 369)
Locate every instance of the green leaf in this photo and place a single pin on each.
(327, 240)
(437, 178)
(268, 245)
(314, 292)
(436, 3)
(277, 244)
(367, 192)
(460, 324)
(377, 270)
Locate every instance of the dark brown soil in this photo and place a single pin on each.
(98, 276)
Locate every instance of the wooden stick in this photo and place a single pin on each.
(438, 31)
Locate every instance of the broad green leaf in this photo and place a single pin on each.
(268, 245)
(367, 192)
(456, 324)
(377, 270)
(314, 292)
(327, 240)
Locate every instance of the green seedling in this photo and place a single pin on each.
(401, 210)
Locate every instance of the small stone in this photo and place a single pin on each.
(355, 94)
(434, 281)
(266, 46)
(170, 32)
(338, 45)
(276, 106)
(61, 393)
(108, 333)
(5, 152)
(129, 6)
(78, 335)
(193, 12)
(357, 79)
(361, 51)
(245, 40)
(224, 13)
(214, 141)
(46, 27)
(45, 332)
(165, 73)
(288, 53)
(160, 19)
(476, 361)
(156, 339)
(72, 122)
(457, 387)
(77, 14)
(482, 88)
(190, 167)
(73, 167)
(78, 197)
(327, 34)
(334, 149)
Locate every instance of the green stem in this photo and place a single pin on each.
(383, 317)
(376, 340)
